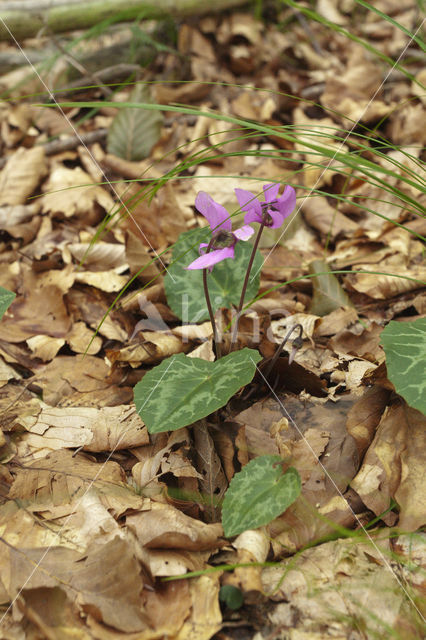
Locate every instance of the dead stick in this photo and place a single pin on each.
(66, 144)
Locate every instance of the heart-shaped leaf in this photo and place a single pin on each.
(182, 390)
(6, 299)
(184, 289)
(405, 348)
(257, 494)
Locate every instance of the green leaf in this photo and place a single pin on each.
(231, 596)
(328, 292)
(405, 348)
(6, 299)
(133, 131)
(257, 494)
(184, 289)
(182, 390)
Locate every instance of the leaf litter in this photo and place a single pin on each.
(96, 512)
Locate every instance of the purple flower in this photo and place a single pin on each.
(273, 211)
(222, 244)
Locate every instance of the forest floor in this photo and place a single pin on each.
(96, 512)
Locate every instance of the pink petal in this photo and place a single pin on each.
(277, 219)
(244, 233)
(287, 202)
(271, 191)
(216, 215)
(248, 201)
(211, 258)
(252, 216)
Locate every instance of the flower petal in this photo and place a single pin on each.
(277, 219)
(252, 216)
(271, 191)
(248, 202)
(244, 233)
(211, 258)
(287, 202)
(216, 215)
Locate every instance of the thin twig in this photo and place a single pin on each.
(66, 144)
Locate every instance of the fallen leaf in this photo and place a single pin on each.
(23, 172)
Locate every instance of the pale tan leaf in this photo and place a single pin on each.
(101, 256)
(393, 467)
(336, 583)
(164, 527)
(21, 175)
(104, 429)
(79, 198)
(45, 347)
(103, 280)
(205, 619)
(54, 483)
(80, 337)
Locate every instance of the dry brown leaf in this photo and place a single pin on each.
(307, 129)
(101, 256)
(45, 347)
(393, 467)
(205, 619)
(81, 195)
(91, 306)
(64, 374)
(106, 579)
(365, 415)
(54, 484)
(252, 546)
(11, 216)
(168, 606)
(158, 223)
(80, 337)
(386, 286)
(138, 257)
(151, 347)
(21, 175)
(213, 483)
(336, 321)
(353, 94)
(40, 310)
(363, 344)
(103, 280)
(336, 583)
(164, 527)
(104, 429)
(327, 219)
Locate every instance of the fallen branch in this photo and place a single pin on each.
(29, 18)
(67, 144)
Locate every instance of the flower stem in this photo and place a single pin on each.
(245, 285)
(210, 310)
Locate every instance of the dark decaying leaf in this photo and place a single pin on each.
(134, 130)
(328, 293)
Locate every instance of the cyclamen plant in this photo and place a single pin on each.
(183, 390)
